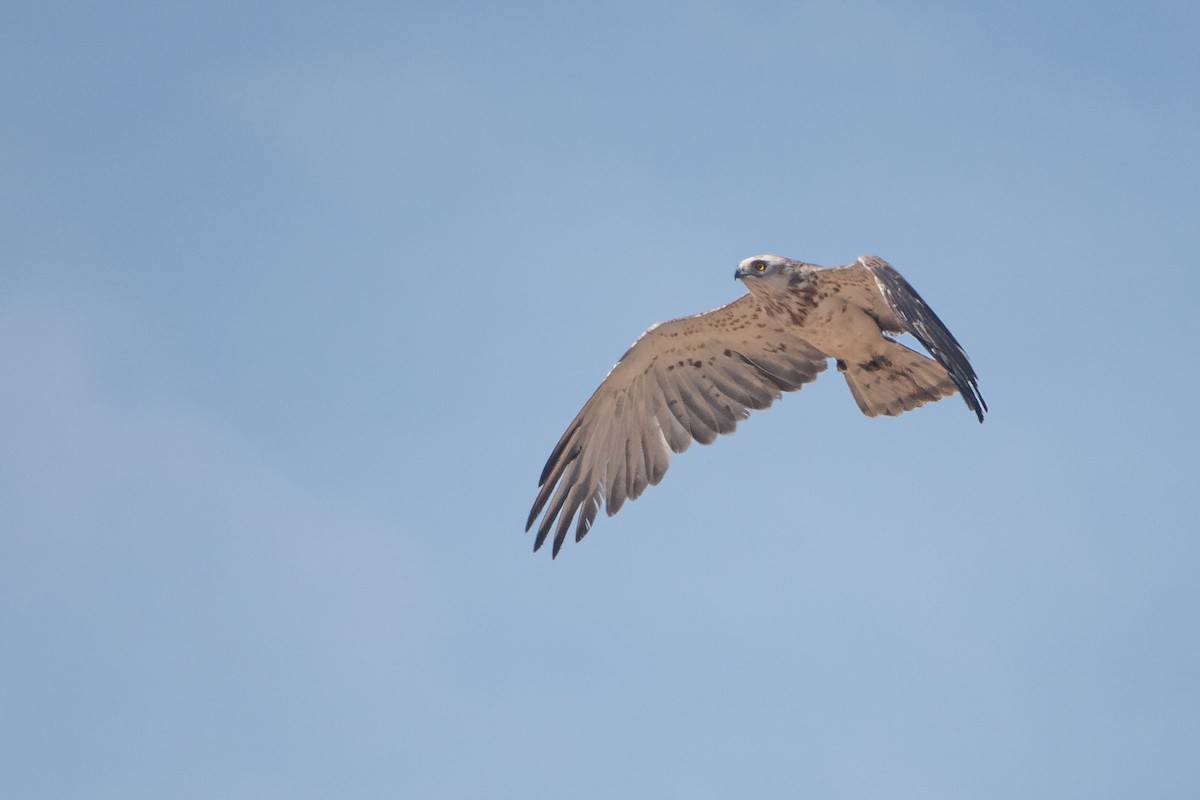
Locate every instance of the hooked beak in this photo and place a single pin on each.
(738, 274)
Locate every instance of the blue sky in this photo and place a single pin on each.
(296, 298)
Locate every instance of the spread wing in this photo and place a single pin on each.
(691, 378)
(876, 286)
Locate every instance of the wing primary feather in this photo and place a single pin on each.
(565, 486)
(574, 499)
(559, 448)
(547, 486)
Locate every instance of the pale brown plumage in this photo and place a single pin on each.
(696, 377)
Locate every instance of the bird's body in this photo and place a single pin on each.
(696, 377)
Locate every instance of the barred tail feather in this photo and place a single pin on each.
(896, 379)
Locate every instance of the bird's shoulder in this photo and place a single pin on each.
(858, 284)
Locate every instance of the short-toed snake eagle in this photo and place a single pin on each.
(696, 377)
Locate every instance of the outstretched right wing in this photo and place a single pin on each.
(690, 378)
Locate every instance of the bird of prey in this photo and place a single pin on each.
(696, 377)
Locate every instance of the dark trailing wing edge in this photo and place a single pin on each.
(930, 331)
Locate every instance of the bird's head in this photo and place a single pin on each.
(766, 274)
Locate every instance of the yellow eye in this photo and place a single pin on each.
(760, 266)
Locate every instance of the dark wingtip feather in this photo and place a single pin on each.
(557, 463)
(930, 331)
(540, 539)
(981, 407)
(556, 454)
